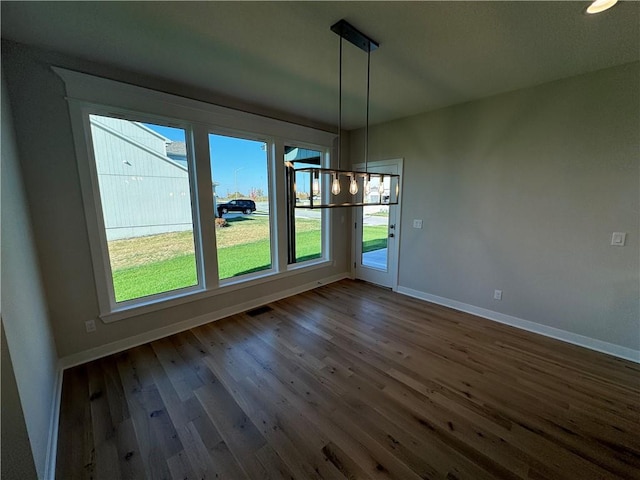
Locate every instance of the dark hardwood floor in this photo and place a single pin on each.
(351, 381)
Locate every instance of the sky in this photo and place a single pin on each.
(234, 161)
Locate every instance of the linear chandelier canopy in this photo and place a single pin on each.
(331, 188)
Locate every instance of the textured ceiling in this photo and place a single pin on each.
(283, 56)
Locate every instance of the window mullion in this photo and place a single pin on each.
(280, 208)
(206, 233)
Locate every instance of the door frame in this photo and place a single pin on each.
(394, 267)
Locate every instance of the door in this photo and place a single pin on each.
(377, 230)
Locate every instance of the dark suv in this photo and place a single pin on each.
(244, 206)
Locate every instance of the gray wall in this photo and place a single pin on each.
(25, 320)
(53, 191)
(17, 458)
(521, 192)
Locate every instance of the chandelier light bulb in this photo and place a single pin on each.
(381, 187)
(315, 188)
(335, 185)
(367, 185)
(353, 185)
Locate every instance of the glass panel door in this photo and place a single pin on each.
(376, 231)
(375, 227)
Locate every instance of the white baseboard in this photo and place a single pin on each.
(569, 337)
(136, 340)
(52, 441)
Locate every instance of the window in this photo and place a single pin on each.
(146, 207)
(184, 199)
(305, 226)
(240, 179)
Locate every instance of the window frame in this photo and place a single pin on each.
(88, 94)
(325, 213)
(272, 187)
(103, 248)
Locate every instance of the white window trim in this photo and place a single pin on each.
(327, 213)
(90, 94)
(182, 298)
(98, 238)
(272, 199)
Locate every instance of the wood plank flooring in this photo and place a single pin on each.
(351, 381)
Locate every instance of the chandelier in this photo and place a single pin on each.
(331, 188)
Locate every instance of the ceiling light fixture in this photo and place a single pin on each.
(364, 188)
(600, 6)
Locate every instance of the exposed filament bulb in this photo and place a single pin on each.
(335, 185)
(367, 185)
(353, 185)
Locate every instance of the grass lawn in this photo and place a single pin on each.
(151, 278)
(374, 237)
(160, 263)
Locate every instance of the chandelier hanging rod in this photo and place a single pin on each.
(350, 33)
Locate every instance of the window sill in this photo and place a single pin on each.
(186, 297)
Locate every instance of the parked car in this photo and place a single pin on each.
(240, 205)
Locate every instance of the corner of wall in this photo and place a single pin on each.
(29, 337)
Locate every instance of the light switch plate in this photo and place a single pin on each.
(417, 224)
(618, 239)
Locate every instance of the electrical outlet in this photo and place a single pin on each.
(90, 325)
(417, 224)
(618, 239)
(497, 294)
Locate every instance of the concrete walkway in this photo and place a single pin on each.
(375, 259)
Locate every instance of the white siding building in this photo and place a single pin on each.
(142, 190)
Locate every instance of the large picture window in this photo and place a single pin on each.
(305, 226)
(185, 199)
(240, 178)
(145, 195)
